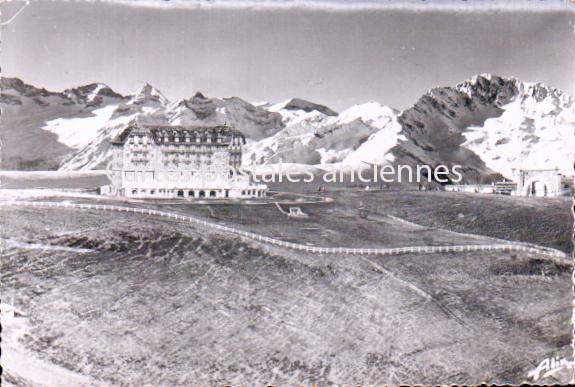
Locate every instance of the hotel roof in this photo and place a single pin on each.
(161, 133)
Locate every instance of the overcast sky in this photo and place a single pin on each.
(329, 52)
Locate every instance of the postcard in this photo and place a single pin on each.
(287, 193)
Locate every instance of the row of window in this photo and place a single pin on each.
(195, 193)
(180, 193)
(132, 176)
(252, 192)
(218, 140)
(138, 139)
(143, 140)
(200, 139)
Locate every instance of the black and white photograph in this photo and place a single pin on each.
(306, 193)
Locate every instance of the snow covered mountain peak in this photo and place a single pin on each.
(490, 89)
(147, 94)
(535, 130)
(297, 112)
(199, 96)
(92, 94)
(371, 113)
(307, 106)
(502, 90)
(538, 98)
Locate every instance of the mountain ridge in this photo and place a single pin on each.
(480, 123)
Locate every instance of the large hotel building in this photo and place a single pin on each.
(151, 161)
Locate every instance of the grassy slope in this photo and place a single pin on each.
(333, 224)
(544, 221)
(158, 302)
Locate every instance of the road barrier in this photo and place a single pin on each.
(507, 246)
(499, 240)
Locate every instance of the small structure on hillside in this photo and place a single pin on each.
(294, 212)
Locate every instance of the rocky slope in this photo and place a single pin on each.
(489, 125)
(316, 135)
(31, 128)
(255, 122)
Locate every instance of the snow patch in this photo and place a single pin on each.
(95, 92)
(78, 132)
(377, 148)
(372, 113)
(530, 134)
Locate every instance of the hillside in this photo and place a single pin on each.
(179, 304)
(31, 127)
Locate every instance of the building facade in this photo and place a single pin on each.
(153, 161)
(541, 182)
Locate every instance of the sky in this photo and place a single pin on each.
(331, 52)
